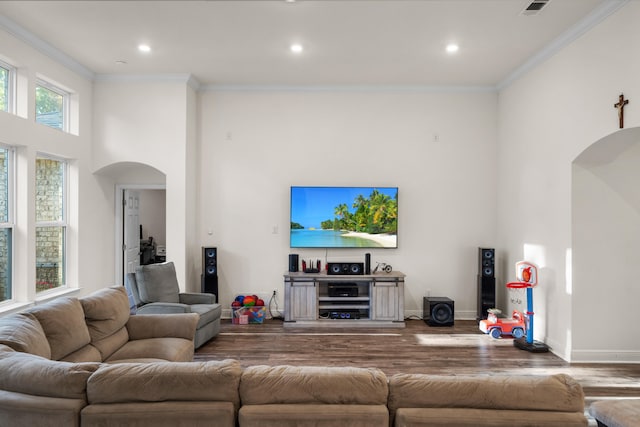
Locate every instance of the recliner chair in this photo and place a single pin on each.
(154, 290)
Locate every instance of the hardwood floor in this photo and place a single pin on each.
(418, 348)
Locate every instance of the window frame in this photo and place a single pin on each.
(63, 223)
(66, 102)
(10, 221)
(11, 87)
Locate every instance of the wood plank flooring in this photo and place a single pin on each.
(418, 348)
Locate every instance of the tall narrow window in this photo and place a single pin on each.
(6, 87)
(51, 223)
(6, 222)
(51, 105)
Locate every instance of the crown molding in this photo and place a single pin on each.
(185, 78)
(43, 47)
(347, 88)
(590, 21)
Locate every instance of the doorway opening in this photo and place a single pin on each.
(140, 227)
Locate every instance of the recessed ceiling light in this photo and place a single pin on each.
(121, 62)
(296, 48)
(144, 48)
(452, 48)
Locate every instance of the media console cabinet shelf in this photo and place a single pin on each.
(320, 299)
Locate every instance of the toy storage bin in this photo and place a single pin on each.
(245, 315)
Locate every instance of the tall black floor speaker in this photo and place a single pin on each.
(486, 281)
(209, 276)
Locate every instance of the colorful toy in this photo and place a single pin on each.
(248, 309)
(498, 326)
(527, 276)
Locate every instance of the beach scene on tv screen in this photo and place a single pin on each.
(344, 217)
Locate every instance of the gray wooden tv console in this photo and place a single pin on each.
(320, 299)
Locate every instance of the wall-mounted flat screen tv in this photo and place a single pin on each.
(344, 217)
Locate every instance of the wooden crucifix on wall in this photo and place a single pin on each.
(620, 106)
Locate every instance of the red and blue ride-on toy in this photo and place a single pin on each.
(498, 326)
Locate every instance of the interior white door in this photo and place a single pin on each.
(131, 238)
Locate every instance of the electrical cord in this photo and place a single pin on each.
(273, 299)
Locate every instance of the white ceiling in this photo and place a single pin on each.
(356, 42)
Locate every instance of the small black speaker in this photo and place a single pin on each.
(210, 271)
(367, 263)
(293, 263)
(486, 262)
(438, 311)
(345, 268)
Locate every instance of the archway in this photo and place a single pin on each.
(147, 187)
(606, 249)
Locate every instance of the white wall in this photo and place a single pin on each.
(547, 118)
(152, 122)
(89, 237)
(256, 144)
(606, 226)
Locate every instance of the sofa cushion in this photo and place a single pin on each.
(313, 415)
(616, 413)
(460, 417)
(88, 353)
(168, 349)
(106, 314)
(25, 410)
(22, 332)
(157, 283)
(35, 375)
(160, 414)
(63, 323)
(316, 385)
(543, 393)
(164, 381)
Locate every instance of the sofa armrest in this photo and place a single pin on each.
(163, 308)
(144, 326)
(197, 298)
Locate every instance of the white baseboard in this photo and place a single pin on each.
(605, 356)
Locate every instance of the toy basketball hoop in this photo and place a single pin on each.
(526, 274)
(527, 278)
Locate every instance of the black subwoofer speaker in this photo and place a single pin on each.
(438, 311)
(210, 271)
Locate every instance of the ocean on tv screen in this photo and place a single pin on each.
(340, 239)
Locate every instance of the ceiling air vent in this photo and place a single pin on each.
(535, 7)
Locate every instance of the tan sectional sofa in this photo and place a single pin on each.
(87, 362)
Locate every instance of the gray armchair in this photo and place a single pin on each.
(154, 290)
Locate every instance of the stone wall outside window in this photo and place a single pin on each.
(49, 239)
(5, 236)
